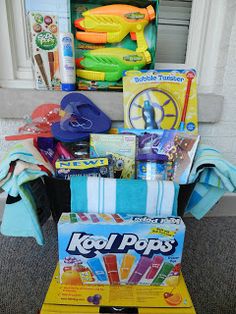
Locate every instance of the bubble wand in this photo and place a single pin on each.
(190, 76)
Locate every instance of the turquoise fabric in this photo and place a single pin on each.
(214, 176)
(20, 218)
(175, 204)
(123, 196)
(79, 195)
(136, 195)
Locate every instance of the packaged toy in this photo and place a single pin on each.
(46, 21)
(122, 148)
(96, 167)
(111, 38)
(79, 149)
(153, 170)
(108, 64)
(44, 42)
(161, 99)
(112, 23)
(126, 250)
(163, 154)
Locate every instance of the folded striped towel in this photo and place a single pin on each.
(214, 176)
(106, 195)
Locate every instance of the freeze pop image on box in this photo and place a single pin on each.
(162, 275)
(127, 263)
(155, 266)
(120, 249)
(111, 267)
(82, 216)
(97, 268)
(117, 218)
(94, 218)
(141, 268)
(73, 217)
(105, 217)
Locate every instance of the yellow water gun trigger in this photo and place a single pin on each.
(91, 75)
(141, 42)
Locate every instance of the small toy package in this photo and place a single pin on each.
(121, 147)
(117, 249)
(96, 167)
(163, 154)
(111, 37)
(45, 21)
(161, 99)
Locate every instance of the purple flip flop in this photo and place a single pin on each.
(81, 118)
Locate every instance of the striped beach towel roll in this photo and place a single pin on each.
(106, 195)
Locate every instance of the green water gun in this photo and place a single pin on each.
(108, 64)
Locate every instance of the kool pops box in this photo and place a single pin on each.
(115, 249)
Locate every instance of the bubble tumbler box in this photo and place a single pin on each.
(115, 249)
(161, 99)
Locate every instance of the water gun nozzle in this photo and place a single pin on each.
(78, 62)
(151, 12)
(78, 24)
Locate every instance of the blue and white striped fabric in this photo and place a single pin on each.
(106, 195)
(214, 176)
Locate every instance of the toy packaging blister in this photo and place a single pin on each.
(96, 167)
(163, 154)
(161, 99)
(120, 249)
(111, 37)
(121, 147)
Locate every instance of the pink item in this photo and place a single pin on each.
(40, 126)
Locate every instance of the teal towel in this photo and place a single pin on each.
(106, 195)
(22, 156)
(23, 163)
(214, 176)
(20, 218)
